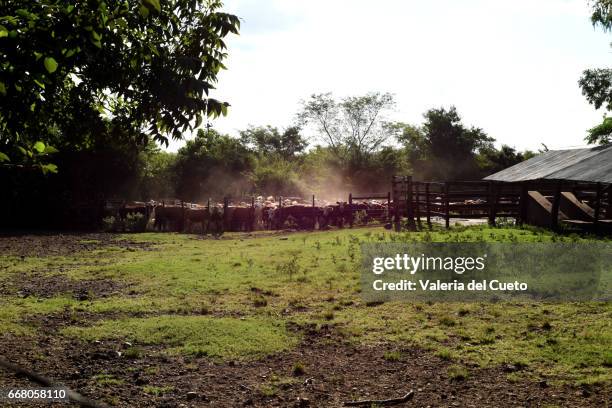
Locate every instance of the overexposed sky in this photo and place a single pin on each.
(510, 67)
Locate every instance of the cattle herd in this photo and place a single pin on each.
(262, 213)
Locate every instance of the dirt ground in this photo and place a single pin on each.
(334, 370)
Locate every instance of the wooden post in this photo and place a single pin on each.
(598, 197)
(225, 214)
(279, 210)
(446, 205)
(208, 204)
(492, 203)
(182, 226)
(554, 222)
(523, 202)
(410, 204)
(417, 187)
(396, 205)
(427, 205)
(314, 214)
(350, 208)
(609, 209)
(388, 206)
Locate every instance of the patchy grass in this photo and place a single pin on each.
(195, 335)
(231, 298)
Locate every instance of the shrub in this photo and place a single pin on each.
(136, 222)
(108, 224)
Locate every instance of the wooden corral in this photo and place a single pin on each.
(546, 203)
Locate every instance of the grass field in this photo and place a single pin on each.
(244, 297)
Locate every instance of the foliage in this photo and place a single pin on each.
(596, 83)
(492, 160)
(160, 61)
(274, 176)
(109, 224)
(212, 165)
(443, 148)
(601, 133)
(135, 222)
(270, 141)
(352, 126)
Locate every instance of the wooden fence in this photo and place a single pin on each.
(415, 200)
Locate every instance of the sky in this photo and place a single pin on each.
(510, 67)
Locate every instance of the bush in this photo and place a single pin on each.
(136, 222)
(108, 224)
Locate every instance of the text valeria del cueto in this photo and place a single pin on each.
(554, 271)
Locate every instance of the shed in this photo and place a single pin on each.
(587, 165)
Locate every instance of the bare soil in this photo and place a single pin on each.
(335, 370)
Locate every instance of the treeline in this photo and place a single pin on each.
(270, 161)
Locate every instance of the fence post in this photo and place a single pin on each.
(609, 209)
(313, 211)
(427, 205)
(388, 206)
(492, 203)
(225, 214)
(396, 205)
(410, 204)
(523, 202)
(350, 208)
(598, 197)
(417, 198)
(446, 205)
(182, 226)
(554, 222)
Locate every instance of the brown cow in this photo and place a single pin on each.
(167, 218)
(195, 216)
(240, 218)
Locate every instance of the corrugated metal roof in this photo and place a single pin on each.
(592, 164)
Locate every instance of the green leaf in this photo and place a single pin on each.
(3, 31)
(50, 64)
(3, 157)
(48, 168)
(39, 147)
(143, 11)
(22, 150)
(153, 3)
(2, 88)
(50, 149)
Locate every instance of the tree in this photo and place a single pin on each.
(133, 70)
(443, 148)
(212, 165)
(353, 126)
(492, 160)
(269, 140)
(596, 84)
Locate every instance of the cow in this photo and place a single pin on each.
(171, 217)
(195, 216)
(240, 218)
(215, 222)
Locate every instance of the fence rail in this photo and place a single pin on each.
(491, 200)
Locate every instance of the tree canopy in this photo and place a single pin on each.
(73, 71)
(353, 126)
(596, 83)
(443, 148)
